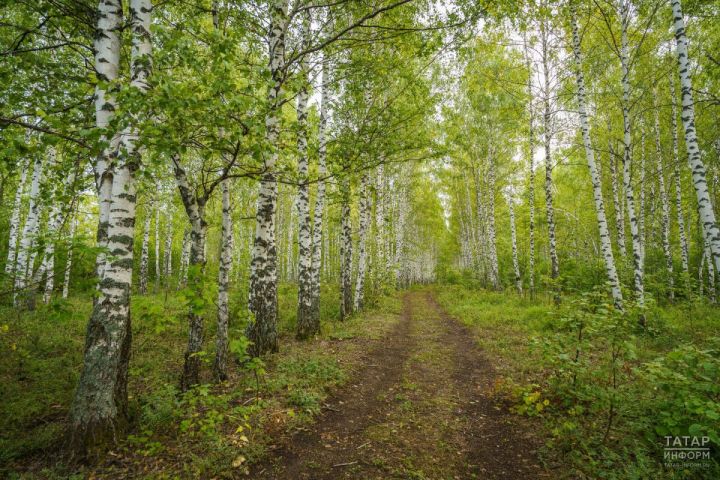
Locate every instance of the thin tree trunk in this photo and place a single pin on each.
(195, 209)
(25, 255)
(638, 254)
(697, 167)
(346, 254)
(641, 209)
(262, 330)
(547, 140)
(362, 242)
(684, 250)
(665, 204)
(157, 246)
(513, 240)
(167, 260)
(10, 264)
(312, 325)
(184, 260)
(380, 234)
(492, 247)
(619, 213)
(605, 243)
(144, 254)
(305, 325)
(400, 235)
(69, 258)
(223, 313)
(531, 181)
(55, 221)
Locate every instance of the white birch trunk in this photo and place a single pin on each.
(144, 254)
(195, 209)
(638, 253)
(69, 258)
(99, 409)
(547, 141)
(619, 213)
(157, 245)
(513, 240)
(665, 205)
(380, 234)
(346, 254)
(184, 260)
(362, 243)
(15, 220)
(697, 167)
(684, 250)
(305, 326)
(492, 246)
(25, 256)
(223, 312)
(531, 174)
(318, 249)
(605, 243)
(167, 260)
(262, 330)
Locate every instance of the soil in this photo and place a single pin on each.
(421, 406)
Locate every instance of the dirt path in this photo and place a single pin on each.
(421, 407)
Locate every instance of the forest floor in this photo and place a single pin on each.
(442, 382)
(421, 404)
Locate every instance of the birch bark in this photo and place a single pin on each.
(684, 250)
(362, 243)
(262, 330)
(99, 409)
(346, 254)
(144, 254)
(665, 205)
(697, 167)
(638, 253)
(605, 243)
(15, 220)
(313, 323)
(305, 326)
(513, 240)
(223, 313)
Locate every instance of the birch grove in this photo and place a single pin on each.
(223, 187)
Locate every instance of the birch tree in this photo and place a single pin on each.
(99, 409)
(305, 325)
(15, 218)
(665, 205)
(362, 243)
(145, 253)
(547, 145)
(684, 250)
(223, 313)
(262, 330)
(513, 241)
(605, 243)
(638, 253)
(346, 254)
(697, 167)
(25, 254)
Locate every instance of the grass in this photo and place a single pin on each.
(212, 431)
(604, 408)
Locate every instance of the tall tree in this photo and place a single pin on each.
(605, 243)
(697, 167)
(262, 299)
(99, 409)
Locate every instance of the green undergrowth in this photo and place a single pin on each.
(211, 431)
(607, 390)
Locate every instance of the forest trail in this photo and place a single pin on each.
(421, 406)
